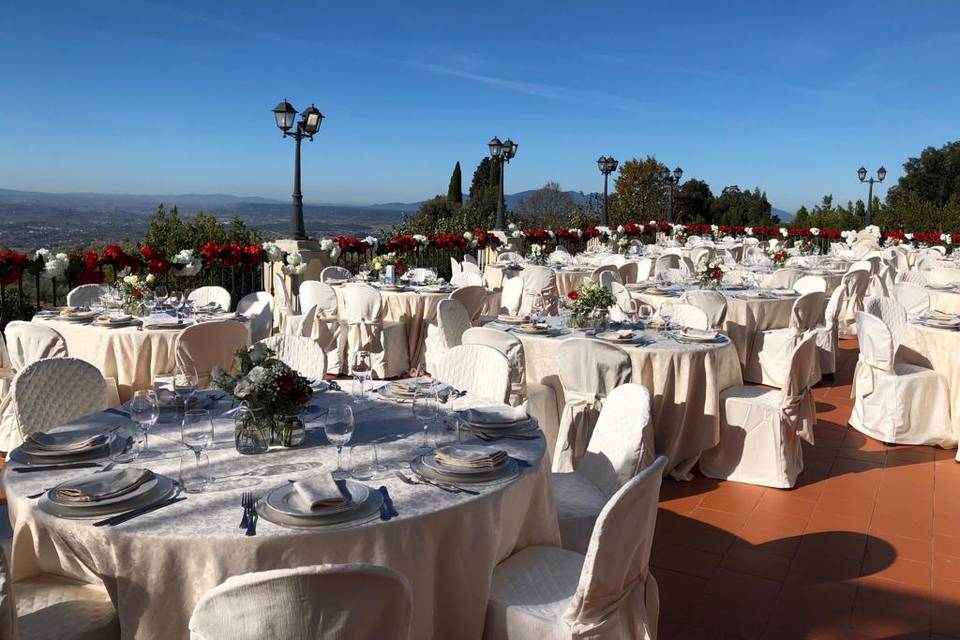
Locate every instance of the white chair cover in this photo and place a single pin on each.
(712, 303)
(607, 268)
(454, 267)
(282, 307)
(626, 308)
(589, 371)
(207, 344)
(927, 260)
(621, 445)
(327, 330)
(540, 281)
(889, 277)
(511, 296)
(666, 261)
(808, 284)
(685, 315)
(644, 269)
(895, 402)
(258, 308)
(918, 278)
(892, 313)
(828, 335)
(477, 369)
(335, 273)
(861, 265)
(48, 606)
(609, 594)
(616, 260)
(939, 248)
(28, 342)
(699, 254)
(301, 325)
(303, 355)
(878, 287)
(469, 258)
(469, 265)
(466, 279)
(49, 393)
(6, 370)
(761, 429)
(367, 331)
(629, 271)
(608, 278)
(770, 359)
(208, 295)
(784, 278)
(452, 320)
(913, 298)
(87, 295)
(855, 284)
(325, 601)
(472, 298)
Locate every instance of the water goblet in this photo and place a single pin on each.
(426, 406)
(145, 410)
(338, 427)
(362, 370)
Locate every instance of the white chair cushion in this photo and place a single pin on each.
(55, 608)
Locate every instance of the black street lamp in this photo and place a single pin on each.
(862, 174)
(502, 153)
(607, 165)
(309, 123)
(672, 180)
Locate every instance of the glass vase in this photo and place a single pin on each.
(288, 431)
(252, 430)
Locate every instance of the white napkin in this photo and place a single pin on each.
(319, 492)
(699, 334)
(470, 456)
(100, 486)
(67, 441)
(496, 414)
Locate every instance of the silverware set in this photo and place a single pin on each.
(249, 521)
(387, 510)
(507, 436)
(120, 518)
(444, 486)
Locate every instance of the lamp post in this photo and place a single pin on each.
(502, 153)
(672, 181)
(309, 123)
(862, 174)
(607, 165)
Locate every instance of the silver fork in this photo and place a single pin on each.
(245, 503)
(444, 486)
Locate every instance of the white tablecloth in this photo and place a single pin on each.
(684, 379)
(157, 566)
(937, 349)
(946, 301)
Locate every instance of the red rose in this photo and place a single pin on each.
(573, 295)
(136, 293)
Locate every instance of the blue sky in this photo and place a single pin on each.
(163, 97)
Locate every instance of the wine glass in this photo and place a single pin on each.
(425, 408)
(196, 430)
(666, 313)
(338, 427)
(161, 293)
(644, 313)
(145, 410)
(536, 308)
(176, 299)
(361, 370)
(185, 384)
(128, 448)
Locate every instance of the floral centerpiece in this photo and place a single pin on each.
(379, 263)
(778, 257)
(711, 271)
(804, 246)
(134, 292)
(271, 397)
(589, 305)
(535, 254)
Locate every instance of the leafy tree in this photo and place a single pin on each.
(484, 189)
(910, 212)
(693, 200)
(738, 207)
(455, 190)
(547, 207)
(641, 193)
(828, 216)
(169, 233)
(934, 177)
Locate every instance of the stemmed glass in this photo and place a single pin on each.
(145, 410)
(536, 308)
(426, 407)
(196, 433)
(176, 302)
(338, 427)
(161, 293)
(185, 384)
(361, 370)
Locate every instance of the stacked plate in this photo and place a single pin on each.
(161, 324)
(662, 291)
(512, 319)
(122, 491)
(466, 463)
(406, 391)
(76, 316)
(65, 447)
(784, 293)
(940, 322)
(115, 320)
(699, 335)
(495, 424)
(534, 328)
(622, 336)
(284, 506)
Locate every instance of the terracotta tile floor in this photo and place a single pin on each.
(866, 546)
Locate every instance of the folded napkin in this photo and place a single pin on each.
(623, 334)
(114, 319)
(77, 315)
(496, 414)
(162, 324)
(699, 334)
(470, 456)
(319, 492)
(508, 318)
(66, 441)
(101, 486)
(940, 315)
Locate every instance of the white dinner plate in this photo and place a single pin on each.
(453, 470)
(364, 512)
(163, 489)
(285, 500)
(31, 450)
(146, 487)
(507, 471)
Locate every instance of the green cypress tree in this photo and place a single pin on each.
(455, 190)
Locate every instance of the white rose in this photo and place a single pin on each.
(151, 278)
(373, 242)
(467, 235)
(714, 228)
(908, 236)
(512, 227)
(272, 251)
(42, 253)
(620, 229)
(516, 234)
(784, 232)
(748, 231)
(326, 244)
(814, 231)
(550, 233)
(335, 252)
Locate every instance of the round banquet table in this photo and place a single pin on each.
(415, 307)
(568, 279)
(945, 300)
(747, 314)
(158, 565)
(132, 357)
(937, 349)
(685, 380)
